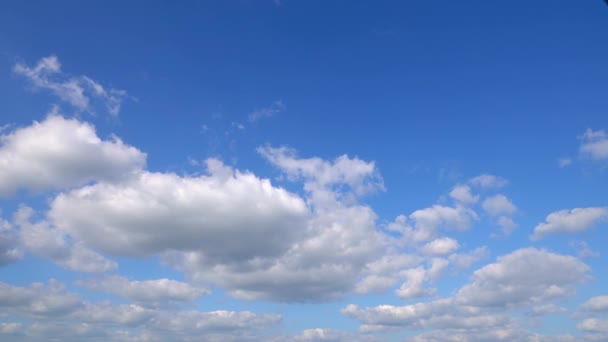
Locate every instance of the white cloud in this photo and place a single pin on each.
(236, 231)
(428, 220)
(463, 261)
(326, 179)
(526, 276)
(327, 335)
(462, 194)
(54, 313)
(593, 325)
(547, 309)
(597, 304)
(498, 205)
(563, 162)
(77, 91)
(413, 287)
(275, 108)
(43, 240)
(488, 181)
(227, 214)
(156, 292)
(594, 144)
(58, 153)
(38, 299)
(440, 246)
(507, 224)
(571, 221)
(10, 250)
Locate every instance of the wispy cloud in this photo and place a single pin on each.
(275, 108)
(78, 91)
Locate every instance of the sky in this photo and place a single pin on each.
(286, 170)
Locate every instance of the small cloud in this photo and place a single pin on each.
(78, 91)
(487, 181)
(275, 108)
(594, 144)
(564, 162)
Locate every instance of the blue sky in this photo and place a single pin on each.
(303, 171)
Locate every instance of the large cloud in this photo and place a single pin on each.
(58, 153)
(43, 240)
(156, 292)
(226, 215)
(570, 221)
(60, 315)
(526, 276)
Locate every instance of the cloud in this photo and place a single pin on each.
(76, 91)
(594, 144)
(487, 181)
(523, 277)
(236, 231)
(564, 162)
(498, 205)
(440, 246)
(327, 335)
(38, 300)
(547, 309)
(597, 304)
(428, 220)
(156, 292)
(61, 315)
(324, 179)
(462, 194)
(275, 108)
(463, 261)
(572, 221)
(10, 250)
(60, 153)
(227, 215)
(593, 325)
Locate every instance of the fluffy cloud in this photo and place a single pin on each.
(440, 246)
(157, 292)
(61, 315)
(227, 215)
(58, 153)
(570, 221)
(77, 91)
(595, 305)
(327, 335)
(463, 261)
(38, 300)
(428, 220)
(547, 309)
(462, 194)
(488, 181)
(10, 250)
(593, 325)
(498, 205)
(594, 144)
(45, 241)
(526, 276)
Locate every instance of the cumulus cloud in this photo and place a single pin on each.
(77, 91)
(428, 220)
(59, 153)
(10, 250)
(463, 261)
(498, 205)
(593, 325)
(571, 221)
(38, 300)
(597, 304)
(488, 181)
(43, 240)
(523, 277)
(462, 194)
(227, 215)
(440, 246)
(155, 292)
(594, 144)
(547, 309)
(58, 314)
